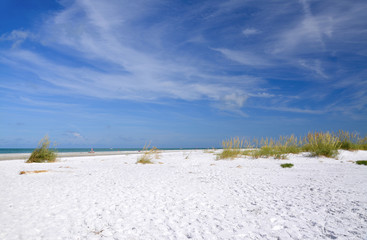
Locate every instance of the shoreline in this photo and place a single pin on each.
(25, 156)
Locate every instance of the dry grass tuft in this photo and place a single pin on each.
(322, 144)
(351, 141)
(231, 148)
(28, 172)
(147, 156)
(277, 148)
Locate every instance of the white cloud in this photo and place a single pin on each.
(327, 26)
(293, 110)
(250, 31)
(104, 35)
(245, 58)
(16, 36)
(76, 134)
(74, 137)
(134, 86)
(314, 66)
(235, 100)
(122, 56)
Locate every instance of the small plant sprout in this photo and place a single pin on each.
(286, 165)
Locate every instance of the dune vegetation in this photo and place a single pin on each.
(316, 143)
(42, 153)
(148, 154)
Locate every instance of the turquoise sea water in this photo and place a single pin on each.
(29, 150)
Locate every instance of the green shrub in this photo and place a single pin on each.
(42, 153)
(286, 165)
(362, 162)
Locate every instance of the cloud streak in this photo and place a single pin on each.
(138, 51)
(95, 34)
(251, 31)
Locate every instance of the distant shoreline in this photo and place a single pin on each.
(24, 156)
(78, 150)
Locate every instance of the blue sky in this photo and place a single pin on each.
(118, 73)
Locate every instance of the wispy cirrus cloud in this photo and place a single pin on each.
(322, 28)
(245, 58)
(251, 31)
(139, 51)
(17, 37)
(114, 62)
(313, 65)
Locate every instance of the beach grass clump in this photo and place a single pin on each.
(347, 140)
(322, 144)
(277, 148)
(362, 144)
(361, 162)
(263, 152)
(317, 143)
(147, 157)
(248, 152)
(231, 148)
(351, 141)
(42, 153)
(286, 165)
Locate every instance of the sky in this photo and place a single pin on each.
(116, 73)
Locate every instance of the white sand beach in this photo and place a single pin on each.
(185, 195)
